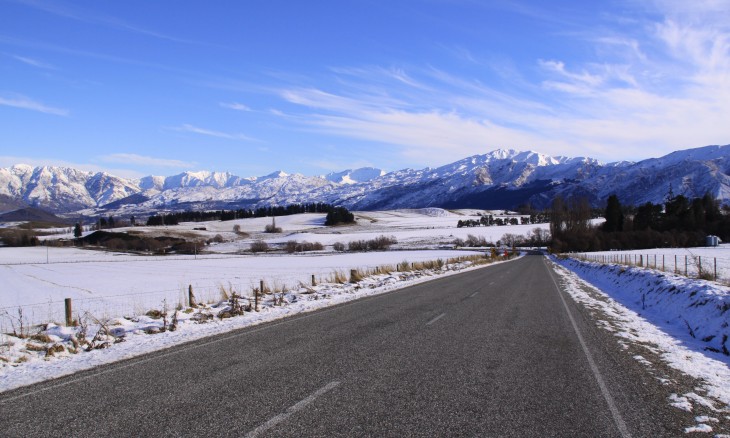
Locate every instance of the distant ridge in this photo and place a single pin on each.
(503, 178)
(30, 214)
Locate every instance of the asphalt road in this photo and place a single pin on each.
(499, 351)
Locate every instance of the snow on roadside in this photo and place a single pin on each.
(695, 311)
(60, 351)
(681, 320)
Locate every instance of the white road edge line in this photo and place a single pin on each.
(292, 410)
(620, 423)
(436, 319)
(474, 294)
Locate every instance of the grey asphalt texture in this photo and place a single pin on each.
(491, 352)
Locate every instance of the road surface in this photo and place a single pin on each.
(499, 351)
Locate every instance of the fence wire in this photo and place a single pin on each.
(689, 265)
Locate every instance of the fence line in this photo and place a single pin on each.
(690, 266)
(133, 258)
(139, 303)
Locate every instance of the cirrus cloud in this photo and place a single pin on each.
(210, 132)
(655, 88)
(141, 160)
(23, 102)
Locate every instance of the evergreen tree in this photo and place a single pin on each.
(648, 216)
(339, 215)
(77, 230)
(614, 216)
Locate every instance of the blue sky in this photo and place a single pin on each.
(158, 87)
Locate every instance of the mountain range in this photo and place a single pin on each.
(499, 179)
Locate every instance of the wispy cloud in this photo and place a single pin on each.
(73, 12)
(235, 106)
(656, 86)
(19, 101)
(211, 133)
(33, 62)
(141, 160)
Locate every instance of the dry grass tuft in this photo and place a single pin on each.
(41, 337)
(35, 347)
(338, 277)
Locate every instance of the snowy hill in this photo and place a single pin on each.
(495, 180)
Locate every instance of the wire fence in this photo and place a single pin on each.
(22, 318)
(690, 265)
(123, 259)
(101, 308)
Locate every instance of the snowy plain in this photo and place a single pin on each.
(129, 285)
(426, 228)
(114, 284)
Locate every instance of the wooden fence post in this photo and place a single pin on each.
(314, 283)
(715, 268)
(699, 268)
(191, 297)
(353, 275)
(256, 294)
(69, 312)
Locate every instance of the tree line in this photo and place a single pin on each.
(678, 222)
(490, 220)
(227, 215)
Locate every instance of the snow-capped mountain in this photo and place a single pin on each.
(349, 176)
(498, 179)
(62, 189)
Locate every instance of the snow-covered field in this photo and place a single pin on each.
(427, 228)
(38, 279)
(667, 257)
(129, 285)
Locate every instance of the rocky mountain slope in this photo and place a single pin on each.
(498, 179)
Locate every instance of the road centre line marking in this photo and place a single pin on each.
(436, 319)
(273, 421)
(620, 424)
(474, 294)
